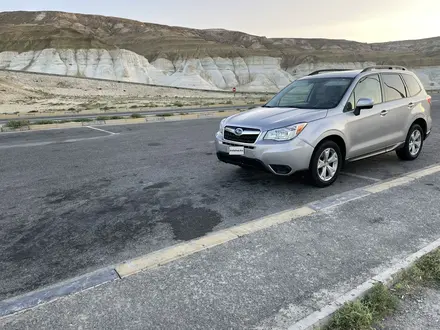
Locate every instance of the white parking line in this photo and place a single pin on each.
(101, 130)
(360, 176)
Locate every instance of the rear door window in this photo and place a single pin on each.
(368, 87)
(393, 87)
(412, 84)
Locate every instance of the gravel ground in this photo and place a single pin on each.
(418, 311)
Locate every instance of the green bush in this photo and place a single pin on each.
(17, 123)
(380, 301)
(116, 117)
(81, 120)
(45, 122)
(362, 314)
(430, 266)
(353, 315)
(102, 118)
(136, 115)
(169, 114)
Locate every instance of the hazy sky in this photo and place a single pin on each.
(362, 20)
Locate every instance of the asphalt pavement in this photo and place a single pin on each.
(268, 279)
(76, 200)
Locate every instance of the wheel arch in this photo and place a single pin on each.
(422, 123)
(338, 139)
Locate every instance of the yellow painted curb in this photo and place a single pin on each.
(379, 187)
(422, 173)
(52, 126)
(132, 121)
(387, 185)
(178, 251)
(267, 222)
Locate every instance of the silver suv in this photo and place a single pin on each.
(327, 118)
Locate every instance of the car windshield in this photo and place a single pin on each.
(314, 93)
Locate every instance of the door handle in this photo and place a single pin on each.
(383, 113)
(411, 105)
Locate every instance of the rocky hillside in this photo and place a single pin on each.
(121, 49)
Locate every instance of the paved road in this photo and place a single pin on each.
(128, 113)
(266, 280)
(76, 200)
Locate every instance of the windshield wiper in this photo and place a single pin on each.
(291, 106)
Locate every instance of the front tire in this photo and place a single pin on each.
(413, 144)
(325, 164)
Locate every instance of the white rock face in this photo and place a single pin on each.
(254, 73)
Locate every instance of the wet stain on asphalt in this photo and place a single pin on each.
(188, 222)
(75, 229)
(84, 192)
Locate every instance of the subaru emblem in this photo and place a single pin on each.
(238, 131)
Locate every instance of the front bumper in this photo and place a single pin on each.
(280, 158)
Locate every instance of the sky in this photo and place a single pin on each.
(360, 20)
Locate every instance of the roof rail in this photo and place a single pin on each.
(385, 67)
(327, 70)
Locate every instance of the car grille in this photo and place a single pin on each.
(244, 138)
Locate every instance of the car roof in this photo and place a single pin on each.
(336, 74)
(351, 73)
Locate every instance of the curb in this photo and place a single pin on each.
(128, 121)
(182, 250)
(35, 298)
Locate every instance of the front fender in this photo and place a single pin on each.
(326, 134)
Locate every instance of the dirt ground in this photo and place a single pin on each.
(24, 93)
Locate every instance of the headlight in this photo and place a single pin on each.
(222, 126)
(285, 133)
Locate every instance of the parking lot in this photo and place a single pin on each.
(79, 199)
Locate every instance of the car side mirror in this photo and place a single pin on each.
(363, 104)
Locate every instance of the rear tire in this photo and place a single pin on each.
(325, 164)
(413, 144)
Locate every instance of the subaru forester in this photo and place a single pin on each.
(330, 117)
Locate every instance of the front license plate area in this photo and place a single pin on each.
(236, 151)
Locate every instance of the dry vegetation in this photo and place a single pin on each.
(35, 94)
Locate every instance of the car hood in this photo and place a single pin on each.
(270, 118)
